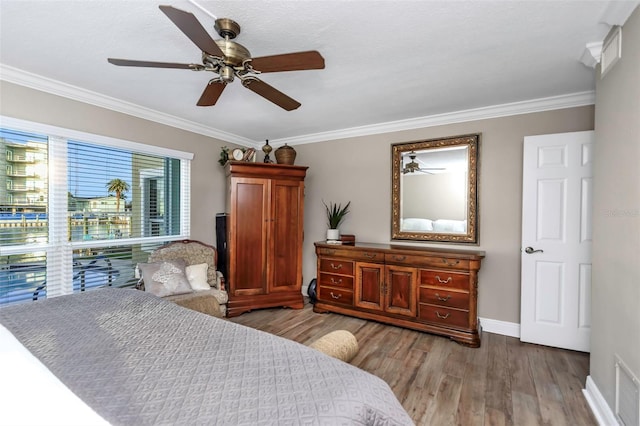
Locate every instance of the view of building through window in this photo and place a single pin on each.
(115, 199)
(23, 188)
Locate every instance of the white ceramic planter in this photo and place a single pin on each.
(333, 234)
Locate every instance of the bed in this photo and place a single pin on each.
(427, 225)
(132, 358)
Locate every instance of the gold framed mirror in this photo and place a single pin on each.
(434, 190)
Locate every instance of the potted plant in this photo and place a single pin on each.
(335, 216)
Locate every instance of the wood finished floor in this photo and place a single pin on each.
(439, 382)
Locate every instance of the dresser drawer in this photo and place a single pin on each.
(338, 251)
(444, 279)
(444, 297)
(351, 254)
(333, 280)
(444, 316)
(368, 256)
(427, 261)
(335, 295)
(336, 266)
(403, 259)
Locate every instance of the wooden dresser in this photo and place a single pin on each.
(426, 289)
(265, 206)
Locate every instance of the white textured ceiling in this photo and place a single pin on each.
(385, 60)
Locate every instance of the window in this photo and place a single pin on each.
(78, 211)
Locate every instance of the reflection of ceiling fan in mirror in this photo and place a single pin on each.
(229, 59)
(414, 166)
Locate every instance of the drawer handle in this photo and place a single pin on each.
(370, 256)
(334, 296)
(338, 266)
(443, 299)
(399, 258)
(333, 281)
(442, 316)
(441, 281)
(450, 263)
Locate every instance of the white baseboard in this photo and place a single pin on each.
(601, 410)
(511, 329)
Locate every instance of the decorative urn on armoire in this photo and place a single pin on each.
(286, 155)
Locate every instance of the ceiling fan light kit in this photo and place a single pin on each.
(229, 59)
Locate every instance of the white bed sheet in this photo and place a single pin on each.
(31, 395)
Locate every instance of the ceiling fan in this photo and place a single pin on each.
(229, 59)
(413, 166)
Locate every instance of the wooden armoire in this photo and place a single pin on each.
(265, 206)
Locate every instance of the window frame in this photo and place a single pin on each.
(57, 248)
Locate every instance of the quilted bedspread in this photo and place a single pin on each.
(138, 360)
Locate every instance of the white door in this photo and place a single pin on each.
(556, 240)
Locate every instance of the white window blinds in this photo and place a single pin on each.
(78, 211)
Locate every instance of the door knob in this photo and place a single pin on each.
(530, 250)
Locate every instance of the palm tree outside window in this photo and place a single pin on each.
(119, 187)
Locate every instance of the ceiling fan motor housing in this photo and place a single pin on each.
(227, 28)
(234, 53)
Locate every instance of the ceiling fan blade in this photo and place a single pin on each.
(298, 61)
(132, 63)
(270, 93)
(211, 93)
(192, 28)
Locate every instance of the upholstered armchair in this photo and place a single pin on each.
(193, 255)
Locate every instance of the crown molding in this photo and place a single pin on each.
(592, 53)
(617, 12)
(495, 111)
(55, 87)
(38, 82)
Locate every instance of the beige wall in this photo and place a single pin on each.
(616, 217)
(207, 177)
(355, 169)
(359, 170)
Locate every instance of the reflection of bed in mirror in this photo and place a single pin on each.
(416, 224)
(446, 208)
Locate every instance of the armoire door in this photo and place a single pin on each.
(284, 265)
(249, 236)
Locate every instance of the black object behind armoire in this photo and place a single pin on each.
(221, 242)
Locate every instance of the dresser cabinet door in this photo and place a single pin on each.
(400, 290)
(368, 287)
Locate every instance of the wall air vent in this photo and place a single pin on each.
(611, 50)
(627, 395)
